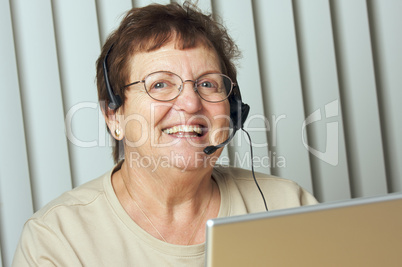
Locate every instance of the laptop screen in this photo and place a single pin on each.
(358, 232)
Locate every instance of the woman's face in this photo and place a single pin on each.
(175, 133)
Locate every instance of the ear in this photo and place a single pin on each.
(113, 118)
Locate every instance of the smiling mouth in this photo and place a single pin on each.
(185, 130)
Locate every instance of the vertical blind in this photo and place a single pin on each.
(323, 79)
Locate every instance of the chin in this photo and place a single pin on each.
(191, 160)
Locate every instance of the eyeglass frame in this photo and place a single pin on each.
(233, 84)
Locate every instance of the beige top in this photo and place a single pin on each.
(87, 226)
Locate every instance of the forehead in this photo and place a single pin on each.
(197, 60)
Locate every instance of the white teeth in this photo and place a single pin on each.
(183, 129)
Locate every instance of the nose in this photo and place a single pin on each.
(189, 100)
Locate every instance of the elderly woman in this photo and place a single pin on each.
(168, 82)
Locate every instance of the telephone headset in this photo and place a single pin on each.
(238, 115)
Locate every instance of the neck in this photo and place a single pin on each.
(167, 186)
(174, 200)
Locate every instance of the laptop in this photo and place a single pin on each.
(358, 232)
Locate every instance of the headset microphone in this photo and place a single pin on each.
(238, 115)
(211, 149)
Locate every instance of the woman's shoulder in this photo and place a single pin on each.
(82, 195)
(279, 192)
(243, 176)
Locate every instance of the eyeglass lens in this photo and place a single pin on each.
(166, 86)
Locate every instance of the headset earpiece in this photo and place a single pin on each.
(238, 115)
(245, 109)
(114, 100)
(238, 110)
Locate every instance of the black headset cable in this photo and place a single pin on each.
(252, 169)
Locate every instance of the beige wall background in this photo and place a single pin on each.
(323, 79)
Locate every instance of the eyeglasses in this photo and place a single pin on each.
(166, 86)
